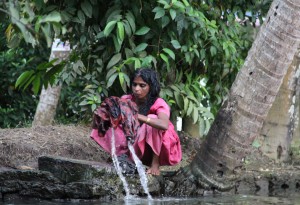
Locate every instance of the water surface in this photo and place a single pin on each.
(207, 200)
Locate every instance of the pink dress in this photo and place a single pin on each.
(164, 143)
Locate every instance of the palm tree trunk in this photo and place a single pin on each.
(49, 97)
(278, 129)
(222, 155)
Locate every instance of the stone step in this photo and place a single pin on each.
(74, 170)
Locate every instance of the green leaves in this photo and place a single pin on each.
(120, 32)
(109, 27)
(114, 60)
(169, 52)
(24, 78)
(176, 44)
(45, 72)
(172, 14)
(159, 12)
(20, 23)
(140, 47)
(174, 37)
(54, 16)
(131, 20)
(188, 98)
(87, 8)
(142, 31)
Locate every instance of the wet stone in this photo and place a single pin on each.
(262, 187)
(73, 170)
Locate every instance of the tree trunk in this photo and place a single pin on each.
(295, 145)
(222, 155)
(279, 128)
(49, 97)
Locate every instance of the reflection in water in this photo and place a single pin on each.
(207, 200)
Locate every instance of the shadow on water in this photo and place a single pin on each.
(207, 200)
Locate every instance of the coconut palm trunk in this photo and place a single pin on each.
(279, 127)
(49, 96)
(239, 121)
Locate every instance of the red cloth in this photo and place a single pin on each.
(114, 112)
(165, 143)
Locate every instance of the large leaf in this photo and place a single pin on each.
(46, 65)
(140, 47)
(109, 27)
(195, 115)
(127, 28)
(172, 14)
(87, 8)
(114, 60)
(142, 31)
(54, 70)
(159, 12)
(120, 32)
(176, 44)
(170, 53)
(36, 84)
(111, 72)
(117, 43)
(23, 78)
(111, 80)
(179, 100)
(137, 63)
(186, 104)
(175, 88)
(130, 18)
(190, 108)
(165, 58)
(47, 33)
(54, 16)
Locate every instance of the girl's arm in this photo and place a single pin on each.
(161, 122)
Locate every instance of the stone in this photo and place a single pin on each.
(73, 170)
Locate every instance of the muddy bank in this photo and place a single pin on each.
(62, 162)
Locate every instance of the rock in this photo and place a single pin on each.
(73, 170)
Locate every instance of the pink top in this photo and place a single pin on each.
(159, 105)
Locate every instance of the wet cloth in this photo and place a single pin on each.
(164, 143)
(119, 114)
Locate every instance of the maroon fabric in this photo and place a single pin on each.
(115, 111)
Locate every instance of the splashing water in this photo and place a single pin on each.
(139, 166)
(117, 166)
(141, 171)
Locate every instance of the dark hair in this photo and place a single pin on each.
(150, 77)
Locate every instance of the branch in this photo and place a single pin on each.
(17, 20)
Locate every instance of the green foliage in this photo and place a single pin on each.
(200, 41)
(16, 108)
(44, 72)
(191, 99)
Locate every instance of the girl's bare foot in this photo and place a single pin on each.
(154, 169)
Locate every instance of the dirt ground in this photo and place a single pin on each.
(21, 147)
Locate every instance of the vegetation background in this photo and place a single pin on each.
(196, 47)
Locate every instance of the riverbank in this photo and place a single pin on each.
(70, 146)
(21, 147)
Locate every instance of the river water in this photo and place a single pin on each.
(207, 200)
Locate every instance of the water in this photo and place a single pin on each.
(141, 171)
(139, 165)
(116, 164)
(206, 200)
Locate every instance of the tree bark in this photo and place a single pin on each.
(279, 127)
(221, 157)
(49, 97)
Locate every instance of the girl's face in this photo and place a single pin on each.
(140, 89)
